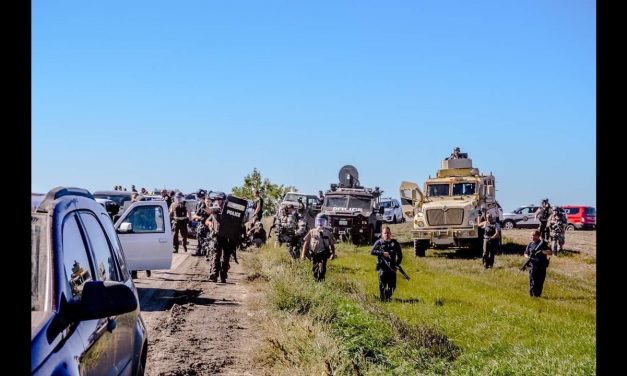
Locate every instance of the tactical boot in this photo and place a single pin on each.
(213, 278)
(175, 251)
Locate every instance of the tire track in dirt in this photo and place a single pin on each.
(196, 327)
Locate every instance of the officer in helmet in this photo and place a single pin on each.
(178, 216)
(224, 247)
(200, 215)
(319, 245)
(542, 215)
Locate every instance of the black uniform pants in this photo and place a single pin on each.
(319, 265)
(387, 284)
(544, 231)
(180, 226)
(490, 247)
(537, 274)
(221, 257)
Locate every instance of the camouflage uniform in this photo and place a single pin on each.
(220, 256)
(178, 216)
(319, 245)
(557, 225)
(201, 229)
(490, 246)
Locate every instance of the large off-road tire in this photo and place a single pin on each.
(420, 247)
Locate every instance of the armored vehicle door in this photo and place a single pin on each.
(411, 196)
(232, 217)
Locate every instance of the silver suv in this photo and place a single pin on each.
(524, 216)
(392, 212)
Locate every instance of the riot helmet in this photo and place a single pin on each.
(217, 196)
(201, 193)
(321, 220)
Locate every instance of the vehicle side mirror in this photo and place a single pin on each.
(381, 210)
(125, 227)
(103, 299)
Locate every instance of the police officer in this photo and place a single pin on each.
(537, 251)
(256, 234)
(178, 216)
(201, 215)
(389, 255)
(319, 245)
(542, 215)
(276, 223)
(456, 154)
(258, 205)
(491, 236)
(557, 227)
(166, 197)
(225, 247)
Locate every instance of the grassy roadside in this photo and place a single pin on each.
(453, 317)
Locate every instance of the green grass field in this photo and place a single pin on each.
(453, 317)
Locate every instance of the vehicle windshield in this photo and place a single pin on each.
(386, 204)
(461, 189)
(291, 197)
(360, 203)
(39, 262)
(438, 189)
(336, 201)
(118, 199)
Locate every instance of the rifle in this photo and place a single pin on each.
(531, 256)
(398, 267)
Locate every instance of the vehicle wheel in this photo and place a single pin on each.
(134, 274)
(394, 219)
(570, 227)
(420, 247)
(508, 225)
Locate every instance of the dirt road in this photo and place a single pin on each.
(196, 327)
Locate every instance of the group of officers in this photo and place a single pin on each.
(318, 244)
(218, 238)
(547, 240)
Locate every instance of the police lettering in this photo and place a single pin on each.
(233, 213)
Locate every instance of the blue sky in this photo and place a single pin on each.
(196, 94)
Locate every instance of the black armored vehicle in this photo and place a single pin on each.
(353, 211)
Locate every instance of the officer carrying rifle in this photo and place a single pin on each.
(389, 258)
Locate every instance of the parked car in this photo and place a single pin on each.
(580, 217)
(85, 315)
(392, 211)
(524, 216)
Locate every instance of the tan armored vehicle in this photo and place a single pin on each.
(446, 217)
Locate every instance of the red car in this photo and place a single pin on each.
(580, 217)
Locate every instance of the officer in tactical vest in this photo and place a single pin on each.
(542, 215)
(319, 246)
(491, 237)
(178, 216)
(256, 234)
(557, 229)
(276, 224)
(536, 253)
(166, 197)
(389, 255)
(225, 247)
(201, 216)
